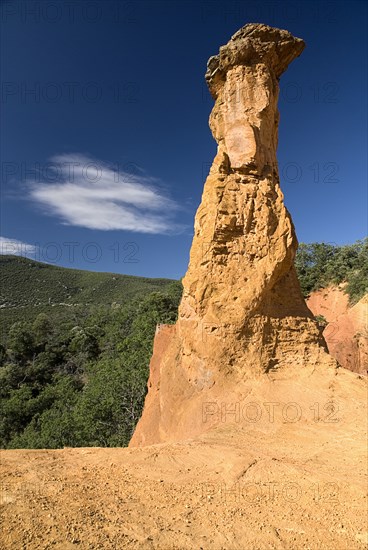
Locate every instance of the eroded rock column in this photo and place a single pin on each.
(241, 275)
(242, 315)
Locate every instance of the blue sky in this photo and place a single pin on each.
(105, 142)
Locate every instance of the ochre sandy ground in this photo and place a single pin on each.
(243, 485)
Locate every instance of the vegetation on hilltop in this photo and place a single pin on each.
(28, 288)
(322, 264)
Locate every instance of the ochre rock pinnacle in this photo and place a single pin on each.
(242, 316)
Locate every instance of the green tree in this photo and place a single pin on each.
(52, 424)
(3, 355)
(110, 404)
(42, 329)
(84, 342)
(21, 342)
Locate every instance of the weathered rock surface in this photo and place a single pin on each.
(346, 333)
(242, 319)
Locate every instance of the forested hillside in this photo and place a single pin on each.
(80, 382)
(28, 288)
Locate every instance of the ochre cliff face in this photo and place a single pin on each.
(346, 333)
(242, 316)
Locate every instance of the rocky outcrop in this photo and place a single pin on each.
(346, 332)
(242, 318)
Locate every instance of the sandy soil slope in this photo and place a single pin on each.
(271, 481)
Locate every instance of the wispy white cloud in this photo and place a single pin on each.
(85, 192)
(16, 248)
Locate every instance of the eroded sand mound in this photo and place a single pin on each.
(251, 483)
